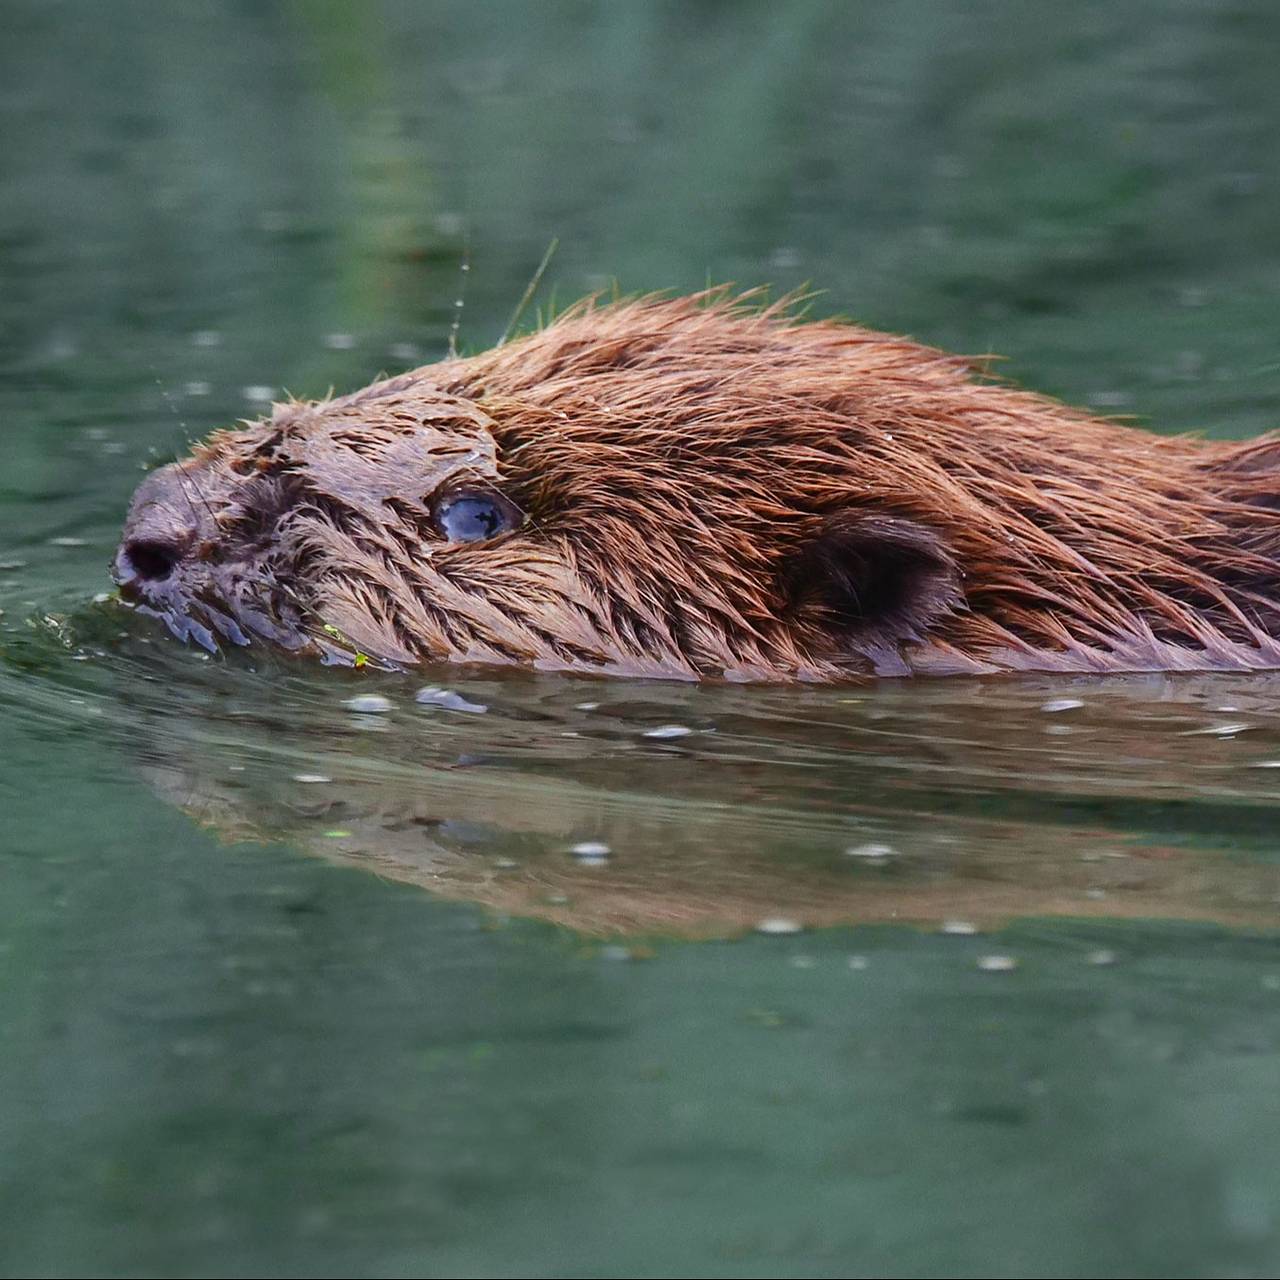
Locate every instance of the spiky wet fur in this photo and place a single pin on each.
(710, 487)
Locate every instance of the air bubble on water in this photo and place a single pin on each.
(1061, 704)
(259, 394)
(778, 925)
(369, 704)
(1218, 730)
(871, 852)
(959, 928)
(586, 706)
(665, 731)
(340, 341)
(1101, 956)
(405, 351)
(803, 962)
(591, 853)
(434, 696)
(196, 388)
(858, 963)
(206, 338)
(68, 542)
(997, 964)
(306, 777)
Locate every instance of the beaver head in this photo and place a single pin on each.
(696, 487)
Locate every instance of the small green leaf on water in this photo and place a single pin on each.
(337, 835)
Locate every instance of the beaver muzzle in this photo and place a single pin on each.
(173, 564)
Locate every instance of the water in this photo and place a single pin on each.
(960, 977)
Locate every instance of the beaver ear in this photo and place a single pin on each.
(875, 582)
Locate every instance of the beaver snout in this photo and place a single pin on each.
(159, 531)
(196, 552)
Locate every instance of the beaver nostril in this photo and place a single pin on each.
(151, 558)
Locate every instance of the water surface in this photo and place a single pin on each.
(585, 977)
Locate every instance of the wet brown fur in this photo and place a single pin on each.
(715, 488)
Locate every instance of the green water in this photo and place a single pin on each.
(293, 990)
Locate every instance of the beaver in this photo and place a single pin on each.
(713, 486)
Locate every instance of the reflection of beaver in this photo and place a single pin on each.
(812, 807)
(695, 488)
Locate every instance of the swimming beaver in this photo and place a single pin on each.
(703, 487)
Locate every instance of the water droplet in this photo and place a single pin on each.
(591, 853)
(1219, 730)
(434, 696)
(778, 925)
(1061, 704)
(369, 704)
(871, 852)
(668, 731)
(259, 394)
(960, 928)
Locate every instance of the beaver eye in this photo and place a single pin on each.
(470, 516)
